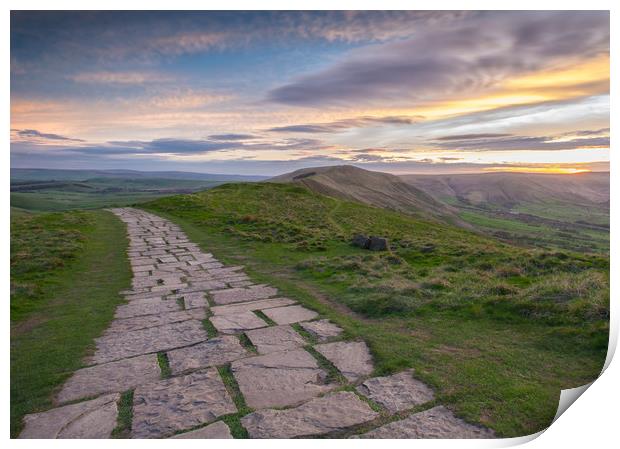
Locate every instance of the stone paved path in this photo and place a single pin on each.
(197, 338)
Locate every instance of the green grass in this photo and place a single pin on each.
(234, 420)
(495, 329)
(61, 200)
(125, 416)
(66, 272)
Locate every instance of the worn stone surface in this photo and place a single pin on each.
(142, 322)
(438, 422)
(397, 392)
(164, 407)
(279, 379)
(149, 306)
(213, 352)
(236, 323)
(143, 341)
(352, 359)
(216, 431)
(195, 300)
(110, 377)
(330, 413)
(232, 295)
(290, 314)
(252, 305)
(275, 339)
(322, 330)
(89, 419)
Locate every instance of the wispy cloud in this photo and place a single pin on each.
(37, 136)
(129, 77)
(343, 125)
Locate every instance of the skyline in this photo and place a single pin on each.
(269, 92)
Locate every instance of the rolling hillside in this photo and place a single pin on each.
(515, 191)
(373, 188)
(496, 329)
(567, 211)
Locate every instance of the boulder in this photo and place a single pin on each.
(361, 241)
(377, 244)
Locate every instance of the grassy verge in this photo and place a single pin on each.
(496, 330)
(66, 272)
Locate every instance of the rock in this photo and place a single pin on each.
(213, 352)
(397, 392)
(378, 244)
(361, 241)
(90, 419)
(279, 379)
(165, 407)
(110, 377)
(216, 431)
(438, 422)
(352, 359)
(195, 300)
(275, 339)
(142, 322)
(149, 306)
(322, 330)
(252, 305)
(330, 413)
(290, 314)
(236, 323)
(144, 341)
(232, 295)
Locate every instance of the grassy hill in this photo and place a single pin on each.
(496, 329)
(369, 187)
(59, 190)
(569, 211)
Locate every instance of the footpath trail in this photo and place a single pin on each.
(201, 347)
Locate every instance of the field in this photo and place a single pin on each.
(67, 270)
(97, 193)
(497, 330)
(548, 211)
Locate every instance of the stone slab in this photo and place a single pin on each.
(213, 352)
(275, 339)
(236, 323)
(397, 392)
(290, 314)
(438, 422)
(142, 322)
(113, 377)
(352, 359)
(90, 419)
(232, 295)
(322, 330)
(330, 413)
(168, 406)
(144, 341)
(140, 307)
(216, 431)
(252, 305)
(279, 379)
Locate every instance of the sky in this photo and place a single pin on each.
(265, 92)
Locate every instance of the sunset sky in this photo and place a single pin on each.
(270, 92)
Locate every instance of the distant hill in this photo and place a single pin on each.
(507, 190)
(43, 174)
(369, 187)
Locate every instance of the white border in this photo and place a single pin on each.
(591, 421)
